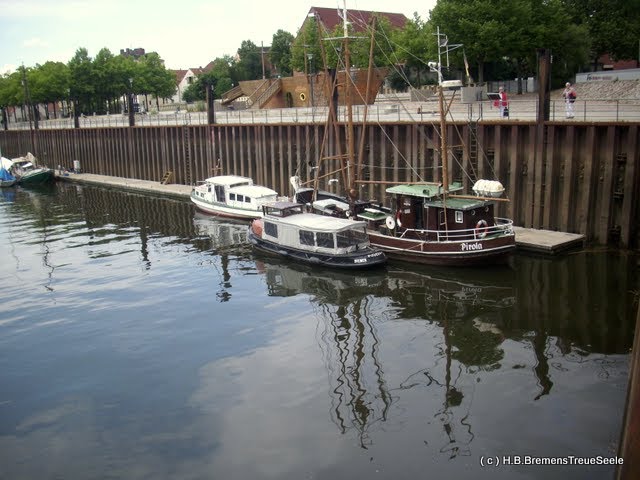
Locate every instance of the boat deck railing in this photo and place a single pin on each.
(503, 226)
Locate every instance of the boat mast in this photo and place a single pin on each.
(348, 103)
(443, 47)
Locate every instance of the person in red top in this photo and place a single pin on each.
(503, 103)
(569, 95)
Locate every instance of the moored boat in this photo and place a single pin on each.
(27, 171)
(232, 196)
(430, 229)
(6, 179)
(286, 230)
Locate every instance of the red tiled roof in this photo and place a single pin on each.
(180, 75)
(332, 17)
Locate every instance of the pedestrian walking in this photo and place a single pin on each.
(502, 103)
(569, 95)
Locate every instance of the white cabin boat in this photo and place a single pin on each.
(286, 230)
(232, 196)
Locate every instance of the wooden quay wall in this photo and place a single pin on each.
(580, 178)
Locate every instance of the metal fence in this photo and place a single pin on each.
(389, 111)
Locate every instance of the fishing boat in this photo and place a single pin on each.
(288, 230)
(27, 171)
(426, 222)
(232, 196)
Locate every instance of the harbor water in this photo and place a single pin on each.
(140, 339)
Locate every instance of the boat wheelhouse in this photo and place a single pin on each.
(431, 229)
(232, 196)
(286, 230)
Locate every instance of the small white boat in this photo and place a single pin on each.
(232, 196)
(286, 230)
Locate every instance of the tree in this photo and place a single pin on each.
(493, 31)
(280, 53)
(613, 26)
(82, 80)
(250, 64)
(155, 78)
(224, 71)
(106, 82)
(306, 53)
(415, 47)
(49, 84)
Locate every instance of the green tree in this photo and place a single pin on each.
(155, 78)
(49, 84)
(415, 46)
(306, 53)
(82, 81)
(280, 53)
(250, 64)
(613, 26)
(224, 72)
(106, 88)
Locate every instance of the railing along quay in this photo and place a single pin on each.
(389, 111)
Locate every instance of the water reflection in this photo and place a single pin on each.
(415, 364)
(476, 313)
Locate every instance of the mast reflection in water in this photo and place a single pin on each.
(150, 341)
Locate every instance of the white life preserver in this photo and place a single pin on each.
(481, 229)
(390, 222)
(303, 97)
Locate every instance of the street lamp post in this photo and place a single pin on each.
(311, 71)
(132, 116)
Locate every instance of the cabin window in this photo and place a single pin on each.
(306, 238)
(232, 196)
(459, 218)
(325, 240)
(348, 238)
(247, 199)
(240, 198)
(219, 189)
(271, 229)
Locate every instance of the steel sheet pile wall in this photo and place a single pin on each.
(585, 178)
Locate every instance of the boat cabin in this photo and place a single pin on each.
(422, 212)
(234, 191)
(288, 225)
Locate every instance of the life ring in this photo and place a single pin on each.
(481, 229)
(390, 222)
(303, 97)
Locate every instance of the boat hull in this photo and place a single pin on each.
(37, 177)
(486, 251)
(7, 183)
(363, 258)
(225, 211)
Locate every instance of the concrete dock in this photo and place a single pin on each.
(527, 239)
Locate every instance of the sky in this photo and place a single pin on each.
(185, 33)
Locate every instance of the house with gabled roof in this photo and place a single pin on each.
(184, 78)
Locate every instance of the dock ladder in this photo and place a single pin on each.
(166, 177)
